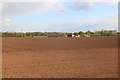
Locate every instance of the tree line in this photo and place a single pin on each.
(104, 33)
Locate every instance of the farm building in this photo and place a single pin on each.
(86, 35)
(72, 35)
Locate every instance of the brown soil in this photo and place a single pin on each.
(88, 57)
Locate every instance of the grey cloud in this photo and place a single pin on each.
(20, 8)
(81, 6)
(25, 8)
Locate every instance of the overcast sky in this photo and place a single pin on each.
(58, 16)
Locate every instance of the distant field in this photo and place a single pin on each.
(39, 57)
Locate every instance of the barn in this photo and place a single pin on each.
(71, 35)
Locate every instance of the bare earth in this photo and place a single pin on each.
(93, 57)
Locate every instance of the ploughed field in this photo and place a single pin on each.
(37, 57)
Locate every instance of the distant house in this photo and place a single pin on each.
(72, 35)
(76, 36)
(86, 35)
